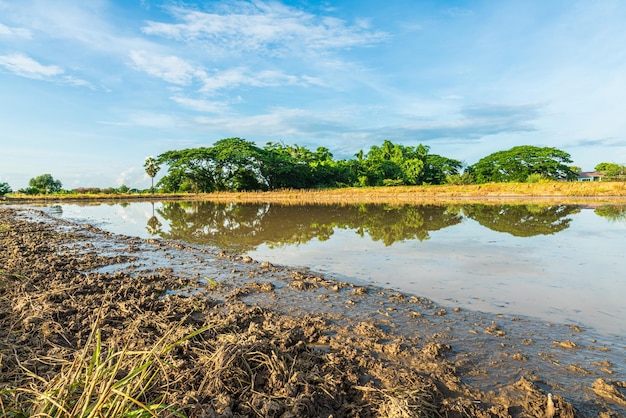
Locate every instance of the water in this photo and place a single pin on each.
(558, 263)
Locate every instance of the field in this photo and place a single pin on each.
(567, 192)
(225, 336)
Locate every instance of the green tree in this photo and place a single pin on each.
(5, 188)
(519, 162)
(437, 169)
(612, 171)
(152, 168)
(288, 167)
(239, 165)
(45, 183)
(191, 169)
(392, 164)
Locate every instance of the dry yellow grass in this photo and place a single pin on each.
(558, 192)
(562, 192)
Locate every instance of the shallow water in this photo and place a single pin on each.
(558, 263)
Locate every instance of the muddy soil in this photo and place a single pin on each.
(278, 341)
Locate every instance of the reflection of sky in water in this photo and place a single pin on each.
(574, 276)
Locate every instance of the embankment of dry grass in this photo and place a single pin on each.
(562, 192)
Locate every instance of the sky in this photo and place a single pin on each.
(89, 89)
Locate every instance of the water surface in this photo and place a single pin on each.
(558, 263)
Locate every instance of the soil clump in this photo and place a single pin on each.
(227, 336)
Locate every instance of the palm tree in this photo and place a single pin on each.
(152, 168)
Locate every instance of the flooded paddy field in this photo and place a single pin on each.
(284, 340)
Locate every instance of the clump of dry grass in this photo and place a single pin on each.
(417, 400)
(101, 382)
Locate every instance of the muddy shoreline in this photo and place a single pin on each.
(307, 344)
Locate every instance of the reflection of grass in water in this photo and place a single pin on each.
(103, 383)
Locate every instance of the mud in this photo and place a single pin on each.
(280, 342)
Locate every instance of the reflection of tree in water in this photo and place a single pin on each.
(154, 226)
(243, 227)
(391, 224)
(613, 213)
(522, 220)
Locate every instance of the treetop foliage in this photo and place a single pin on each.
(45, 184)
(235, 164)
(518, 163)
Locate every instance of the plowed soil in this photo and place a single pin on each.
(277, 341)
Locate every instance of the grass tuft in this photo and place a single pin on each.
(102, 382)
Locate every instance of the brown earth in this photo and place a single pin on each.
(274, 341)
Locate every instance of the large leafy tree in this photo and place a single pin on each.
(190, 170)
(239, 165)
(288, 166)
(437, 169)
(231, 164)
(517, 163)
(45, 183)
(392, 164)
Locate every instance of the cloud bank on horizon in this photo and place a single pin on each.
(91, 88)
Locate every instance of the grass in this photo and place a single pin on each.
(113, 382)
(562, 191)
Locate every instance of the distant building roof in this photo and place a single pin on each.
(591, 174)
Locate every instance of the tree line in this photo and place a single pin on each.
(236, 164)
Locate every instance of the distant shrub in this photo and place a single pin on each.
(87, 190)
(536, 178)
(30, 190)
(393, 182)
(4, 189)
(458, 179)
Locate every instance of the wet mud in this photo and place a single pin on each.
(272, 341)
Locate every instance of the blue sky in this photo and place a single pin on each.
(88, 89)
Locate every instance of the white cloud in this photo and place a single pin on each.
(264, 28)
(200, 105)
(146, 119)
(25, 66)
(169, 68)
(243, 76)
(128, 176)
(177, 71)
(14, 32)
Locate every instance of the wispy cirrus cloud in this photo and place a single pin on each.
(264, 27)
(25, 66)
(14, 32)
(178, 71)
(242, 76)
(200, 105)
(169, 68)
